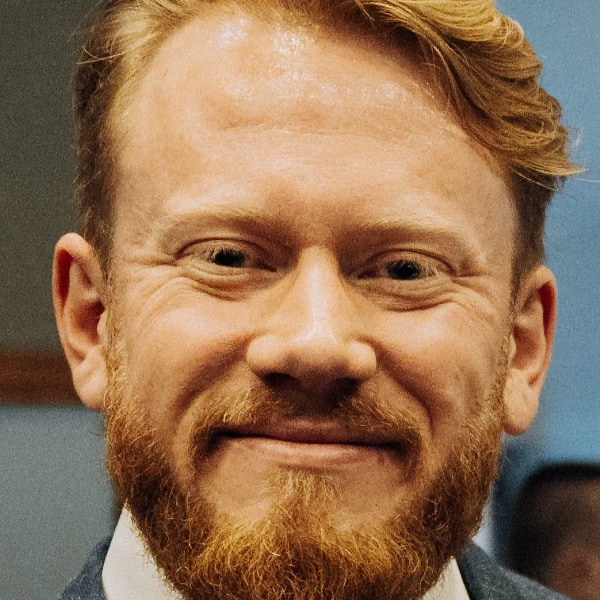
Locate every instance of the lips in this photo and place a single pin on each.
(308, 431)
(359, 436)
(307, 444)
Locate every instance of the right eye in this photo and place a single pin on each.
(224, 256)
(228, 265)
(227, 257)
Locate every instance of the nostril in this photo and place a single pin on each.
(345, 388)
(281, 360)
(336, 392)
(277, 379)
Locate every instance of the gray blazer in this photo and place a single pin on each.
(483, 578)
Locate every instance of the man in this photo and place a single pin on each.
(310, 294)
(555, 533)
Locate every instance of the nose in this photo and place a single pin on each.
(313, 330)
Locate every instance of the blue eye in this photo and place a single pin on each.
(227, 257)
(404, 270)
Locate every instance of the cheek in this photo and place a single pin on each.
(177, 350)
(445, 364)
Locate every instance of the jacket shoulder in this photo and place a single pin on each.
(486, 580)
(88, 584)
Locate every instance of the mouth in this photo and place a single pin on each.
(308, 431)
(306, 444)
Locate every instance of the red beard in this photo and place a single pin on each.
(297, 550)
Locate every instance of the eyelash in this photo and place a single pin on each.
(224, 257)
(228, 259)
(229, 254)
(411, 267)
(420, 269)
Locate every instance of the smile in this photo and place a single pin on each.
(306, 445)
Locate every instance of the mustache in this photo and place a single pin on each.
(259, 410)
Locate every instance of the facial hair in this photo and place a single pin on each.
(297, 551)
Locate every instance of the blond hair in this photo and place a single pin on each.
(478, 60)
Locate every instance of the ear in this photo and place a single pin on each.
(77, 287)
(531, 342)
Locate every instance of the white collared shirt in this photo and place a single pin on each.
(130, 573)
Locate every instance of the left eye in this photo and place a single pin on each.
(405, 270)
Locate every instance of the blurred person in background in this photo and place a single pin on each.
(555, 532)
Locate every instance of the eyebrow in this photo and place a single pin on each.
(417, 231)
(171, 228)
(413, 228)
(181, 224)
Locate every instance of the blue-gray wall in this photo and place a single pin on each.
(566, 37)
(55, 501)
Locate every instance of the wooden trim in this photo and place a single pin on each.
(35, 377)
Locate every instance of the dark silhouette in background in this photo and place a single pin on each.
(555, 532)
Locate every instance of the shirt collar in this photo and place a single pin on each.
(130, 572)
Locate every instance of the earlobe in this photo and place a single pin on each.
(530, 349)
(81, 316)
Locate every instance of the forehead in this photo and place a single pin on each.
(243, 72)
(237, 109)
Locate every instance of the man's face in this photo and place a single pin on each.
(312, 283)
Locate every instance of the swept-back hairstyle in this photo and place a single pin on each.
(478, 62)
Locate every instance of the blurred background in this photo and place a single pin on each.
(55, 499)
